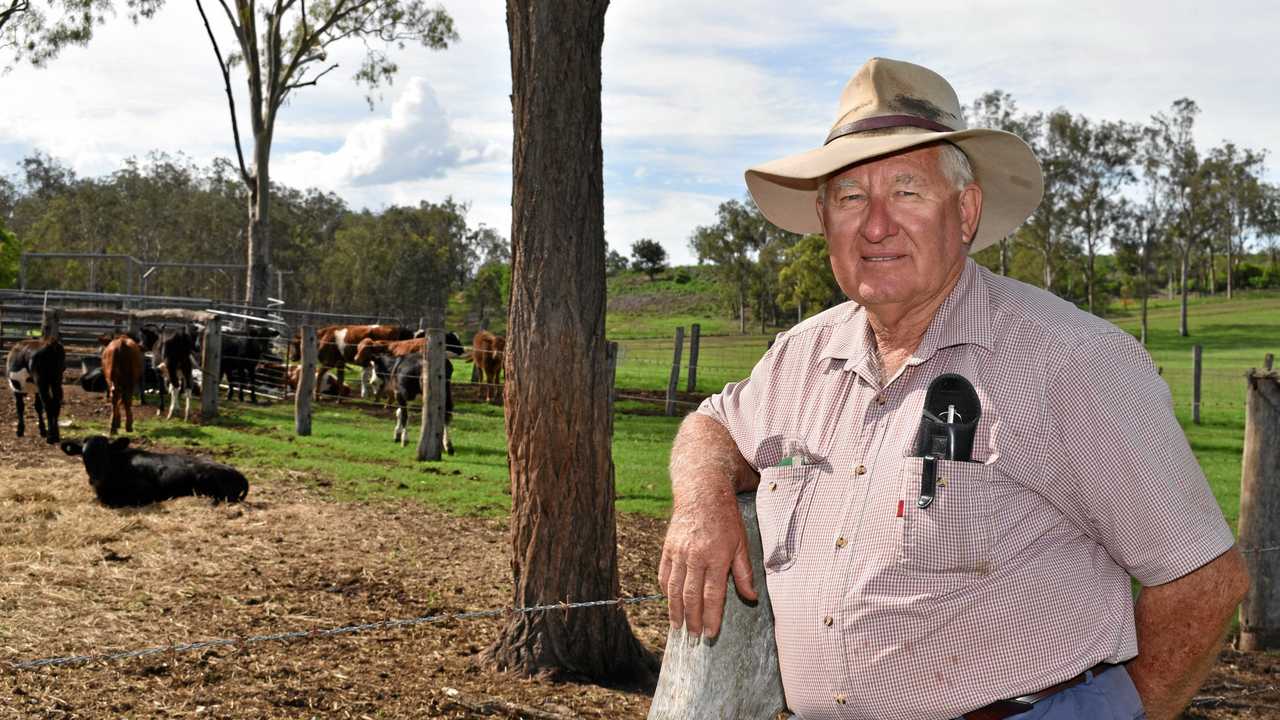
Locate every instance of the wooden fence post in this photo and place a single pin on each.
(736, 675)
(211, 369)
(51, 325)
(696, 332)
(306, 382)
(431, 440)
(675, 372)
(1268, 362)
(1195, 384)
(1259, 506)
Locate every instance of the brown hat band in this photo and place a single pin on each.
(886, 121)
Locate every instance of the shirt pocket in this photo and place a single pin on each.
(782, 503)
(952, 536)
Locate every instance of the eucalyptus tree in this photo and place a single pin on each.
(37, 30)
(1047, 231)
(1238, 172)
(806, 279)
(1100, 157)
(997, 109)
(1171, 165)
(733, 245)
(283, 46)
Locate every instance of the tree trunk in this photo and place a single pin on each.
(742, 311)
(563, 528)
(257, 275)
(1213, 271)
(1088, 278)
(1048, 268)
(1004, 256)
(1231, 259)
(1186, 262)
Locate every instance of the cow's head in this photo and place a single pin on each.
(453, 346)
(96, 451)
(367, 350)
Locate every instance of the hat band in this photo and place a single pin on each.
(885, 121)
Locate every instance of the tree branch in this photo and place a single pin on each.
(231, 100)
(313, 80)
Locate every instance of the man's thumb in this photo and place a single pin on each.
(743, 579)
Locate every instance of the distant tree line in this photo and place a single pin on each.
(329, 258)
(1128, 209)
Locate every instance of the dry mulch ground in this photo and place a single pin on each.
(76, 577)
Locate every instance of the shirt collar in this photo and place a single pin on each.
(963, 318)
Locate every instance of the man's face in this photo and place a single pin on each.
(897, 229)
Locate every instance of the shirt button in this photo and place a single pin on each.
(841, 542)
(828, 620)
(860, 470)
(880, 400)
(840, 698)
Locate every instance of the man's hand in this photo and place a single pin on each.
(705, 539)
(703, 544)
(1180, 626)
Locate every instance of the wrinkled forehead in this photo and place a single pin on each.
(914, 165)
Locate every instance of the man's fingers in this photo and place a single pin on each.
(675, 594)
(743, 578)
(693, 580)
(664, 570)
(713, 593)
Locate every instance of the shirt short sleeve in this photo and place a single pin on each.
(736, 406)
(1134, 484)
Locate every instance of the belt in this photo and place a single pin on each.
(1001, 709)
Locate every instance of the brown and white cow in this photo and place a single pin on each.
(336, 345)
(369, 350)
(488, 352)
(122, 366)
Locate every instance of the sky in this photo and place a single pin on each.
(694, 92)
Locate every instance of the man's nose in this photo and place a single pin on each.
(879, 225)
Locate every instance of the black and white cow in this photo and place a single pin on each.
(174, 350)
(122, 476)
(406, 385)
(36, 366)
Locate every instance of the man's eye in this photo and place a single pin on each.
(907, 193)
(851, 197)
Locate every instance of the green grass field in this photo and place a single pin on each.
(351, 450)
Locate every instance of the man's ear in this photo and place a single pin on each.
(120, 444)
(71, 447)
(970, 211)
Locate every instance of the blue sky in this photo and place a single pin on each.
(695, 91)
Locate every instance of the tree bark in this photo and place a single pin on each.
(559, 426)
(1004, 256)
(257, 275)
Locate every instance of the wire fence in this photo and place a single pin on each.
(321, 633)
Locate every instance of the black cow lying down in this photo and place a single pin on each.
(122, 476)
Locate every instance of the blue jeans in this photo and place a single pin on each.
(1110, 695)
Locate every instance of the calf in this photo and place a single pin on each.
(406, 385)
(122, 365)
(336, 345)
(91, 377)
(122, 476)
(328, 383)
(173, 349)
(488, 352)
(241, 354)
(36, 366)
(369, 349)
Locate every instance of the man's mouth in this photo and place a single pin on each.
(881, 258)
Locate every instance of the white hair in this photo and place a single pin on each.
(952, 161)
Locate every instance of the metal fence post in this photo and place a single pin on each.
(306, 381)
(211, 369)
(675, 372)
(431, 440)
(1259, 506)
(695, 334)
(1195, 384)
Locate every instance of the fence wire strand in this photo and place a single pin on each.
(317, 633)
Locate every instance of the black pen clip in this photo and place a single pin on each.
(928, 482)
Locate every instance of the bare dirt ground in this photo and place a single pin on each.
(78, 578)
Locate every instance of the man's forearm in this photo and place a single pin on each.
(706, 465)
(1180, 627)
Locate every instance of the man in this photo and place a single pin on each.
(906, 586)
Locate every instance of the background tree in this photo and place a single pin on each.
(284, 47)
(10, 252)
(732, 245)
(648, 256)
(489, 290)
(1238, 172)
(563, 528)
(806, 280)
(1046, 230)
(997, 109)
(1171, 165)
(615, 263)
(37, 34)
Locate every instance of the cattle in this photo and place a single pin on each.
(488, 352)
(328, 383)
(122, 366)
(122, 476)
(91, 377)
(377, 374)
(368, 349)
(173, 349)
(336, 345)
(241, 353)
(36, 366)
(406, 385)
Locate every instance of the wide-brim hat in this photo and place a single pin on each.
(887, 94)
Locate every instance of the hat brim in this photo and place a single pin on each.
(1004, 167)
